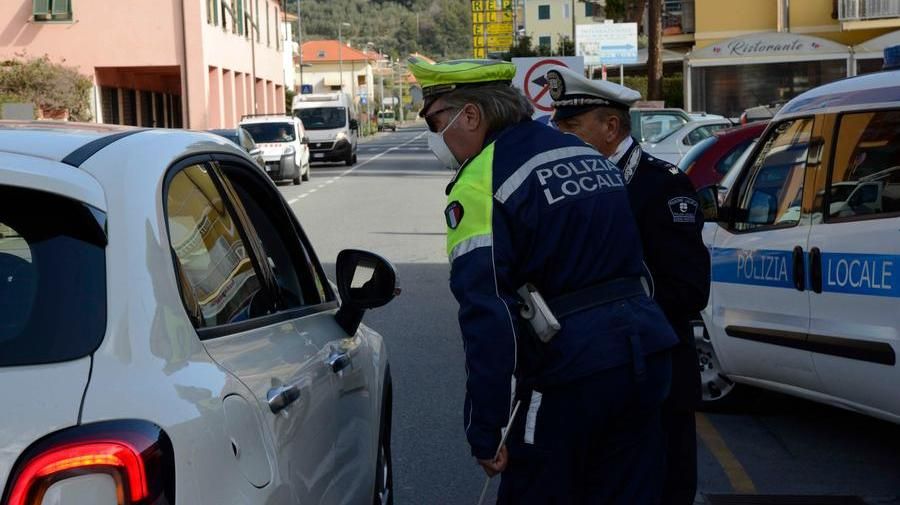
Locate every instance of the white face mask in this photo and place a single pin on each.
(439, 147)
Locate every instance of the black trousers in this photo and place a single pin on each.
(679, 425)
(595, 441)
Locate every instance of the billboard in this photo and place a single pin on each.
(607, 43)
(493, 25)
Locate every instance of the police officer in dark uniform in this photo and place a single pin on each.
(669, 217)
(531, 212)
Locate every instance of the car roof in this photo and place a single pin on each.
(268, 119)
(706, 121)
(742, 129)
(55, 140)
(867, 91)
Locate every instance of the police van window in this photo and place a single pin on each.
(219, 281)
(772, 193)
(865, 176)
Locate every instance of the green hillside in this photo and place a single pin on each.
(437, 28)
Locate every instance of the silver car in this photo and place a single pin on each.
(168, 335)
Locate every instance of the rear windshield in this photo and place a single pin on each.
(270, 132)
(52, 278)
(323, 118)
(387, 115)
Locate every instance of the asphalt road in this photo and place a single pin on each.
(392, 203)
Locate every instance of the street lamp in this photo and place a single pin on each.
(341, 52)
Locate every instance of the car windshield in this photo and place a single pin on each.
(52, 278)
(323, 118)
(270, 132)
(664, 134)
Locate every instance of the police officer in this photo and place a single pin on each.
(670, 221)
(530, 205)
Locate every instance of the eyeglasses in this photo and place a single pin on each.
(429, 118)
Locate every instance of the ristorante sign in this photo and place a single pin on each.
(769, 44)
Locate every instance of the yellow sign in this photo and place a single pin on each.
(492, 26)
(492, 17)
(494, 42)
(492, 29)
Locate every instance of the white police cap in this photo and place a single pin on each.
(573, 94)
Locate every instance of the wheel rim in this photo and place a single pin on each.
(715, 384)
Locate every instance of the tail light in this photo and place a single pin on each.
(137, 455)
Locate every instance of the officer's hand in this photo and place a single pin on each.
(495, 466)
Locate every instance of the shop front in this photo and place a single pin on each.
(868, 57)
(760, 69)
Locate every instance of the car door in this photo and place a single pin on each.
(855, 260)
(259, 315)
(760, 308)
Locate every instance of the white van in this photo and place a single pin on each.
(329, 119)
(284, 145)
(805, 251)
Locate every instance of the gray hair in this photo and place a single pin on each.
(604, 113)
(501, 105)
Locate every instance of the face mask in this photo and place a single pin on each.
(439, 147)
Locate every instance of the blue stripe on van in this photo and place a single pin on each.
(757, 267)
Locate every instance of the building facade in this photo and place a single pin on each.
(193, 64)
(549, 21)
(328, 67)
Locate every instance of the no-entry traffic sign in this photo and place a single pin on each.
(530, 78)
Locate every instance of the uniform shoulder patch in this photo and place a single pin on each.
(683, 209)
(454, 214)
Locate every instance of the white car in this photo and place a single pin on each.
(284, 145)
(672, 145)
(167, 334)
(806, 254)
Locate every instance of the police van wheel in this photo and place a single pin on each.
(714, 384)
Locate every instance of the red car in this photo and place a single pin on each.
(708, 161)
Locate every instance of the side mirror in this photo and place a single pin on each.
(354, 124)
(709, 203)
(304, 140)
(255, 152)
(365, 281)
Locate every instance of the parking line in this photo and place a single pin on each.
(740, 480)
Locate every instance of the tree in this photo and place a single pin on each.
(628, 11)
(522, 49)
(566, 46)
(52, 87)
(654, 52)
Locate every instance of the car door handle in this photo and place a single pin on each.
(815, 267)
(279, 398)
(799, 269)
(338, 361)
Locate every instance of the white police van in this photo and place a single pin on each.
(805, 253)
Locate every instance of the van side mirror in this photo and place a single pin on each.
(354, 124)
(365, 281)
(709, 204)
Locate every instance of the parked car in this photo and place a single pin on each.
(696, 116)
(710, 159)
(647, 122)
(242, 138)
(329, 117)
(675, 143)
(805, 259)
(386, 120)
(284, 144)
(167, 333)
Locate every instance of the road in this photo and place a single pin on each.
(392, 203)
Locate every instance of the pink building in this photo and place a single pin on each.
(179, 63)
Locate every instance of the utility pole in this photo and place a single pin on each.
(654, 51)
(300, 46)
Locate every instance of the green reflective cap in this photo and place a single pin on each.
(439, 78)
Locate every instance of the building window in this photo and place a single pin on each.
(268, 28)
(212, 12)
(256, 22)
(52, 10)
(566, 11)
(109, 104)
(589, 10)
(543, 12)
(129, 107)
(239, 16)
(321, 54)
(544, 42)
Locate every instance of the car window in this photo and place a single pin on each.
(220, 283)
(246, 140)
(727, 161)
(270, 132)
(865, 176)
(295, 272)
(686, 163)
(323, 118)
(52, 278)
(659, 125)
(772, 192)
(703, 132)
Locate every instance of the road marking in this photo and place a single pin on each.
(740, 480)
(292, 201)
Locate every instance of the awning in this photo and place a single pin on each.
(668, 56)
(874, 48)
(767, 47)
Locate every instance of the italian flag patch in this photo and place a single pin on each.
(454, 214)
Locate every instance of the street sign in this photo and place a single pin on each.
(530, 78)
(306, 89)
(607, 43)
(494, 42)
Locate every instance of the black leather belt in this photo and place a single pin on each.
(596, 295)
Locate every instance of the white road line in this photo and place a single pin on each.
(292, 201)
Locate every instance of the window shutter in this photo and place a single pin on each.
(61, 8)
(41, 8)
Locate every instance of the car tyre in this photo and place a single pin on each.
(716, 387)
(383, 493)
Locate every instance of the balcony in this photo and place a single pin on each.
(858, 14)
